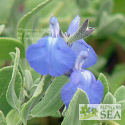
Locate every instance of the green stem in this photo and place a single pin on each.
(110, 122)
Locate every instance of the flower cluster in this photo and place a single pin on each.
(56, 56)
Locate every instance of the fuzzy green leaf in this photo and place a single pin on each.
(11, 96)
(120, 94)
(109, 99)
(104, 81)
(72, 117)
(81, 33)
(51, 102)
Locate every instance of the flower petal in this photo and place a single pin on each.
(73, 27)
(86, 81)
(51, 56)
(68, 92)
(36, 55)
(81, 45)
(95, 93)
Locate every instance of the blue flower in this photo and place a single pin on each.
(51, 55)
(81, 45)
(81, 78)
(85, 80)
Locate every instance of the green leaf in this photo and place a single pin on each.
(81, 33)
(109, 24)
(72, 117)
(28, 20)
(51, 102)
(1, 28)
(2, 119)
(8, 45)
(5, 9)
(107, 6)
(11, 96)
(5, 77)
(104, 81)
(120, 94)
(35, 98)
(122, 105)
(13, 118)
(109, 99)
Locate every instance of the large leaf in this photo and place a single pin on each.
(8, 45)
(52, 99)
(120, 94)
(13, 118)
(11, 94)
(28, 20)
(5, 9)
(104, 81)
(72, 117)
(2, 119)
(35, 98)
(5, 77)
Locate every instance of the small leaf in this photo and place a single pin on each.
(109, 99)
(72, 117)
(122, 105)
(8, 45)
(11, 94)
(81, 33)
(104, 81)
(28, 20)
(2, 119)
(51, 102)
(1, 28)
(35, 98)
(13, 118)
(120, 94)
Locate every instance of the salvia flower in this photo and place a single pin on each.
(51, 55)
(83, 79)
(81, 45)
